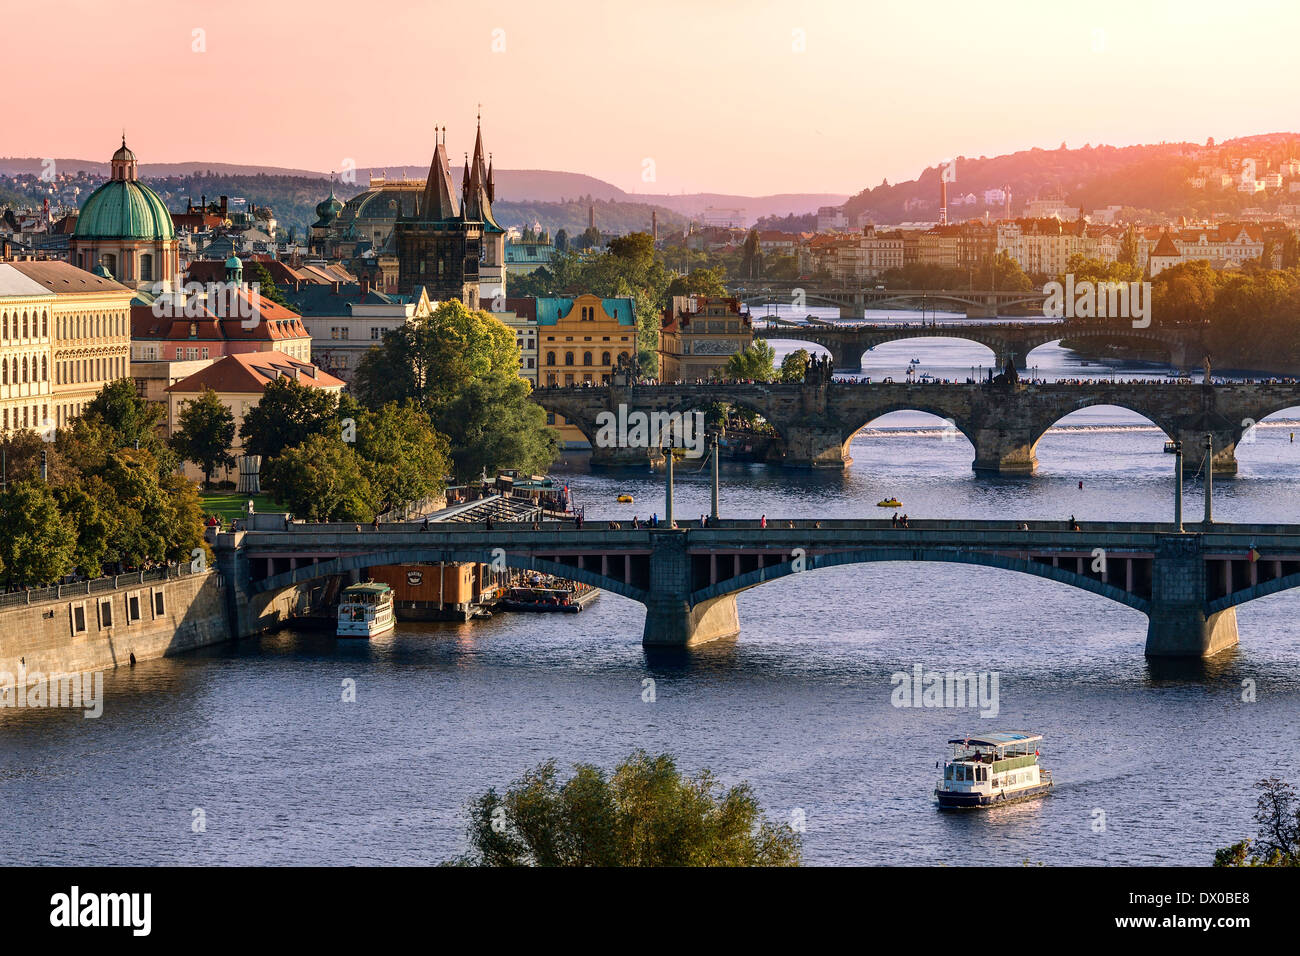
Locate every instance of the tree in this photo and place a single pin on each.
(795, 365)
(287, 414)
(646, 813)
(37, 543)
(711, 282)
(1128, 248)
(1277, 842)
(323, 479)
(404, 459)
(258, 274)
(751, 256)
(461, 367)
(562, 241)
(206, 432)
(753, 363)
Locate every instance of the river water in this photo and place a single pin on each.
(1153, 764)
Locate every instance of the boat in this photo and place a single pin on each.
(1171, 447)
(366, 610)
(548, 600)
(625, 499)
(889, 503)
(991, 770)
(915, 361)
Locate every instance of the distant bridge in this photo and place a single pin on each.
(1009, 341)
(816, 422)
(1188, 584)
(853, 302)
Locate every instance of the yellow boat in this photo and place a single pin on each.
(625, 499)
(889, 503)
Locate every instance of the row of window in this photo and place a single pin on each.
(24, 416)
(86, 260)
(90, 370)
(605, 358)
(17, 373)
(133, 604)
(24, 325)
(587, 378)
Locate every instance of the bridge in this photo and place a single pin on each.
(816, 420)
(1188, 583)
(853, 302)
(1009, 341)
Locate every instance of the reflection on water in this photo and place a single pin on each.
(257, 734)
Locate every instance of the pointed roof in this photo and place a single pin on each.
(1166, 247)
(439, 200)
(478, 189)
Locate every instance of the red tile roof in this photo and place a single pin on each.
(251, 372)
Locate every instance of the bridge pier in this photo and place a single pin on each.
(1225, 450)
(981, 311)
(1178, 625)
(670, 618)
(623, 457)
(1005, 451)
(811, 446)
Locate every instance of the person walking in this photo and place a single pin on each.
(762, 521)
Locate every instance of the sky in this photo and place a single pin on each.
(750, 97)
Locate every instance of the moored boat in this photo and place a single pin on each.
(366, 610)
(989, 770)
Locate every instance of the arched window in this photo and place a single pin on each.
(24, 325)
(604, 358)
(4, 373)
(550, 358)
(622, 356)
(568, 358)
(146, 267)
(45, 325)
(45, 369)
(25, 368)
(586, 358)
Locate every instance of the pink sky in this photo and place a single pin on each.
(714, 92)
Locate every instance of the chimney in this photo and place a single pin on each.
(591, 216)
(365, 285)
(654, 224)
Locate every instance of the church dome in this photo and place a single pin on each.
(329, 208)
(124, 209)
(123, 155)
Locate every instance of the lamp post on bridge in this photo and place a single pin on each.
(1209, 478)
(1178, 487)
(668, 486)
(714, 450)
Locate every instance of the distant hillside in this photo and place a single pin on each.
(1152, 178)
(752, 208)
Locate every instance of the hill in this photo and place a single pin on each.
(1155, 179)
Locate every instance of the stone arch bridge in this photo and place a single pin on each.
(852, 303)
(1009, 341)
(816, 422)
(1188, 584)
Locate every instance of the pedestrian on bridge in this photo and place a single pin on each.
(762, 522)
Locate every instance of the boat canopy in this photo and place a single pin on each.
(377, 588)
(997, 741)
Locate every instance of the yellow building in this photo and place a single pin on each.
(580, 341)
(699, 333)
(89, 334)
(25, 310)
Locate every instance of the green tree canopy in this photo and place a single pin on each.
(287, 414)
(794, 365)
(1277, 841)
(37, 543)
(206, 433)
(754, 362)
(646, 813)
(323, 479)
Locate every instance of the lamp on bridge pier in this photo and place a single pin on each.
(1178, 487)
(714, 452)
(668, 485)
(1209, 478)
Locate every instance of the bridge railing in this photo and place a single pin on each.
(98, 585)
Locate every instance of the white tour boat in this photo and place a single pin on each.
(989, 770)
(366, 610)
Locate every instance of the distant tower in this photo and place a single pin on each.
(943, 197)
(591, 216)
(1007, 190)
(654, 224)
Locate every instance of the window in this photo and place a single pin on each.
(77, 615)
(604, 358)
(376, 333)
(568, 358)
(132, 607)
(586, 358)
(105, 614)
(158, 604)
(550, 358)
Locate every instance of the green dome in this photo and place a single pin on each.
(233, 262)
(124, 209)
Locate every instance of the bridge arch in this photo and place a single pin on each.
(946, 419)
(1174, 348)
(1164, 430)
(941, 555)
(353, 562)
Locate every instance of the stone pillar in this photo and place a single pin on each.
(670, 620)
(1178, 625)
(1225, 450)
(815, 446)
(1007, 451)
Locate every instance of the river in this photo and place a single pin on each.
(1153, 764)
